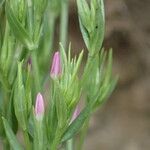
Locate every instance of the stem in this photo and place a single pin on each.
(49, 37)
(69, 144)
(55, 143)
(6, 145)
(39, 136)
(64, 22)
(57, 138)
(83, 134)
(36, 71)
(30, 17)
(27, 141)
(87, 70)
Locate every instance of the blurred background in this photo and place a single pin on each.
(123, 123)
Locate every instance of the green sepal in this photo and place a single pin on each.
(15, 145)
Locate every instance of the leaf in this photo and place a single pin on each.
(18, 30)
(84, 32)
(11, 114)
(28, 90)
(92, 24)
(11, 136)
(77, 123)
(20, 105)
(61, 109)
(2, 134)
(84, 13)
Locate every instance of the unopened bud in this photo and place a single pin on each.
(39, 107)
(56, 68)
(75, 114)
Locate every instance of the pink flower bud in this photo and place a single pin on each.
(56, 66)
(39, 107)
(75, 114)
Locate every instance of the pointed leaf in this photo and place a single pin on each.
(77, 123)
(18, 30)
(11, 136)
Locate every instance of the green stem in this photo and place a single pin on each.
(36, 71)
(6, 145)
(64, 22)
(69, 144)
(39, 136)
(57, 138)
(27, 141)
(30, 17)
(87, 70)
(83, 134)
(49, 37)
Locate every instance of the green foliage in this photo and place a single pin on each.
(15, 145)
(92, 24)
(26, 42)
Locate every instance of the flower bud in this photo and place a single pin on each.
(39, 107)
(75, 114)
(56, 66)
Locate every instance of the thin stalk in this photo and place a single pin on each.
(64, 22)
(39, 136)
(30, 17)
(83, 134)
(6, 145)
(55, 142)
(34, 53)
(69, 144)
(27, 141)
(36, 71)
(87, 70)
(49, 37)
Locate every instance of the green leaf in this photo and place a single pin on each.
(18, 30)
(84, 13)
(77, 123)
(28, 90)
(20, 104)
(92, 24)
(83, 21)
(61, 107)
(11, 114)
(2, 134)
(11, 136)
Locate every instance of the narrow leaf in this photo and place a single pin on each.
(18, 29)
(11, 136)
(77, 123)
